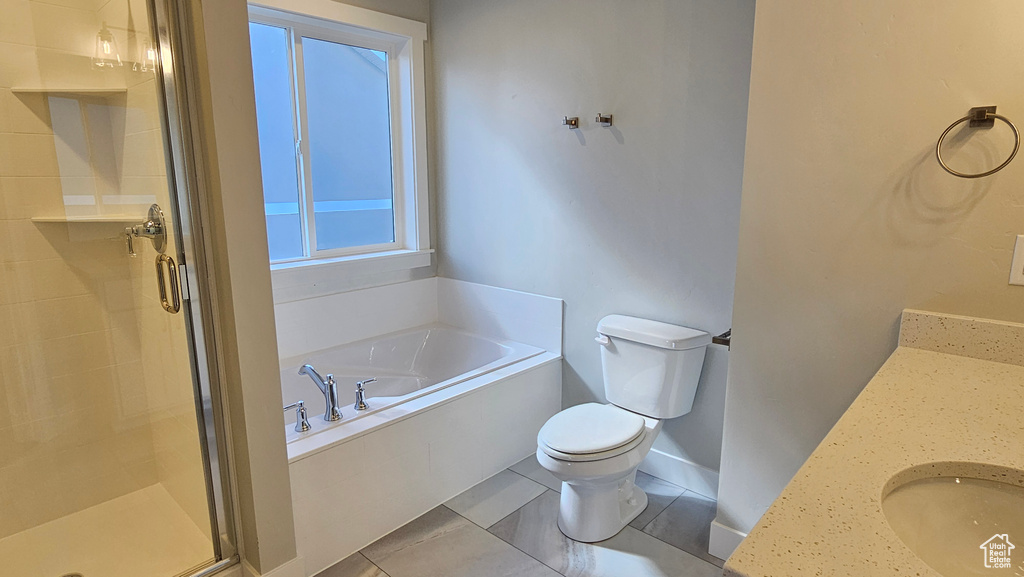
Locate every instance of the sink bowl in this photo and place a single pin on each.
(960, 518)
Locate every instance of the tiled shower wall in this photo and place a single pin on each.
(95, 393)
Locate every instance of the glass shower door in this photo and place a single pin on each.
(104, 452)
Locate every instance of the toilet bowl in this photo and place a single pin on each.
(599, 495)
(651, 371)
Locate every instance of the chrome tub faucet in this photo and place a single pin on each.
(330, 390)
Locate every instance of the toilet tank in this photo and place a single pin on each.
(650, 367)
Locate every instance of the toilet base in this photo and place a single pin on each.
(595, 510)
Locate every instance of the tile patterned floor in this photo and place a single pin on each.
(507, 525)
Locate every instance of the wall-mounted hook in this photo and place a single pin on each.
(573, 123)
(603, 120)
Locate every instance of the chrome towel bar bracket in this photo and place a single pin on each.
(979, 117)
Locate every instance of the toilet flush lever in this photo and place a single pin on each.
(603, 340)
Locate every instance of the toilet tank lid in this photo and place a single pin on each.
(654, 333)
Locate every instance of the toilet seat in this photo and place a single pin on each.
(591, 432)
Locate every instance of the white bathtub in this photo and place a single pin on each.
(407, 365)
(452, 406)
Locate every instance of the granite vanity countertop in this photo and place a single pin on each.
(952, 391)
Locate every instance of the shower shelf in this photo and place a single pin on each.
(70, 91)
(115, 219)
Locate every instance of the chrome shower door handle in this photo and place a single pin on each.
(174, 304)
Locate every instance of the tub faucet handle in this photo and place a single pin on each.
(301, 419)
(360, 400)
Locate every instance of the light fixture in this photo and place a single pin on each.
(142, 54)
(146, 60)
(107, 54)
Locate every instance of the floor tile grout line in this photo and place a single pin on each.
(527, 477)
(532, 557)
(662, 512)
(385, 573)
(462, 516)
(642, 530)
(677, 548)
(522, 475)
(681, 488)
(513, 545)
(665, 510)
(624, 528)
(546, 489)
(645, 525)
(532, 479)
(683, 551)
(486, 530)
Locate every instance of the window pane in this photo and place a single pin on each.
(275, 120)
(349, 144)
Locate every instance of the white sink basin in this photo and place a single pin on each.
(958, 524)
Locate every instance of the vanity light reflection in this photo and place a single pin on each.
(106, 54)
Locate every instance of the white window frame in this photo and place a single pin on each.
(403, 41)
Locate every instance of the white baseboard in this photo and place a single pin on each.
(724, 540)
(686, 474)
(294, 568)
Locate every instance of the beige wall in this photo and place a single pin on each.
(640, 218)
(240, 256)
(846, 217)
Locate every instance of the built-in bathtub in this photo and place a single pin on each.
(407, 365)
(467, 375)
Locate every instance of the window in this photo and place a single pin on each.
(339, 108)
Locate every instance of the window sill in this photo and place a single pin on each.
(305, 279)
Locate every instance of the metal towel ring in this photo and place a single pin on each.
(981, 117)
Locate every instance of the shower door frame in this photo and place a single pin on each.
(177, 80)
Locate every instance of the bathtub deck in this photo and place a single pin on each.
(506, 525)
(304, 445)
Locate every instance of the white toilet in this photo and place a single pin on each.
(651, 370)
